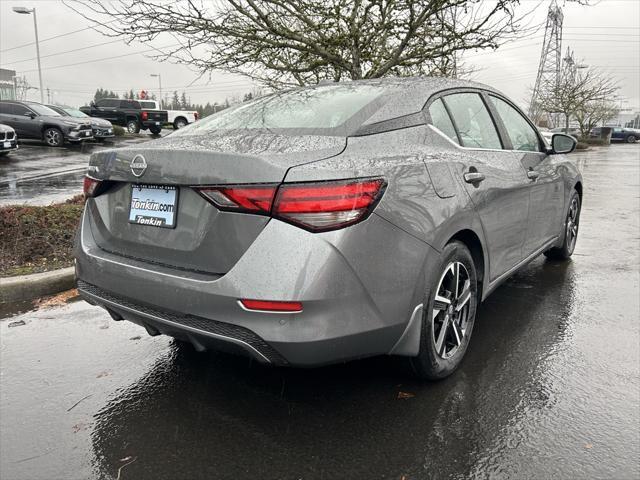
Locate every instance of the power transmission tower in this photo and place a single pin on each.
(549, 67)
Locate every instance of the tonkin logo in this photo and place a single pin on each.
(138, 165)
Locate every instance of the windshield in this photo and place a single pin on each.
(42, 110)
(323, 110)
(72, 112)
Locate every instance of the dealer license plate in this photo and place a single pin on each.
(7, 144)
(153, 205)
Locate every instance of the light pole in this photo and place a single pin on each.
(160, 85)
(27, 11)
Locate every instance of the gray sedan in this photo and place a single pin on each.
(329, 223)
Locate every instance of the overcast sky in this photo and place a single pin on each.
(606, 35)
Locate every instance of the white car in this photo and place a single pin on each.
(178, 118)
(8, 139)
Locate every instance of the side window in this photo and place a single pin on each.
(17, 109)
(107, 103)
(4, 108)
(521, 133)
(441, 120)
(473, 121)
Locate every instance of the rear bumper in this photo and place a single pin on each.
(358, 293)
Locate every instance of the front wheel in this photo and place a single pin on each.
(449, 314)
(133, 126)
(53, 137)
(631, 139)
(570, 237)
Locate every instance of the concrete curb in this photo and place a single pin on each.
(28, 287)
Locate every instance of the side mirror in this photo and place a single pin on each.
(31, 115)
(561, 143)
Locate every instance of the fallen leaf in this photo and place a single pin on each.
(405, 395)
(19, 323)
(588, 445)
(137, 337)
(103, 374)
(57, 300)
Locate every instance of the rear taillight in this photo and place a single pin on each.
(314, 206)
(145, 115)
(326, 206)
(196, 116)
(91, 187)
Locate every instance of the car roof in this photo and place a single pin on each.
(408, 95)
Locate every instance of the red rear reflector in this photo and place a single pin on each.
(271, 306)
(90, 186)
(314, 206)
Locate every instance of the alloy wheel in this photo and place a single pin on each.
(451, 309)
(180, 124)
(573, 219)
(52, 137)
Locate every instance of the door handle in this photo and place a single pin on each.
(533, 175)
(473, 177)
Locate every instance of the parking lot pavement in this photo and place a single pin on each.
(39, 175)
(550, 387)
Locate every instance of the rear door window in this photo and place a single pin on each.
(441, 120)
(17, 109)
(521, 133)
(473, 121)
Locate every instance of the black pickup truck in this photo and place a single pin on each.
(127, 113)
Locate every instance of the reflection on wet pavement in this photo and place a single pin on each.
(550, 386)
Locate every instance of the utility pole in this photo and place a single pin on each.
(159, 85)
(548, 76)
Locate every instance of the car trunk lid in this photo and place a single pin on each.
(203, 239)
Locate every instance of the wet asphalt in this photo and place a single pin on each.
(550, 386)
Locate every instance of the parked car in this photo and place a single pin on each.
(329, 223)
(101, 128)
(177, 118)
(619, 134)
(547, 135)
(8, 140)
(127, 113)
(573, 131)
(36, 121)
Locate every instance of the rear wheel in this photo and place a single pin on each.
(571, 225)
(155, 129)
(179, 123)
(133, 126)
(449, 314)
(53, 137)
(631, 139)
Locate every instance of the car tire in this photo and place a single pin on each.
(133, 126)
(53, 137)
(155, 130)
(570, 234)
(442, 351)
(179, 123)
(631, 139)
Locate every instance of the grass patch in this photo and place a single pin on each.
(38, 239)
(118, 131)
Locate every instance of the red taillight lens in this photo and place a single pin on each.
(196, 116)
(145, 115)
(271, 306)
(326, 206)
(314, 206)
(90, 187)
(239, 198)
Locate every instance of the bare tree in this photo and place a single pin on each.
(575, 91)
(299, 42)
(591, 114)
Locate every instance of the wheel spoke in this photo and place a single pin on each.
(441, 303)
(456, 332)
(464, 296)
(457, 279)
(442, 335)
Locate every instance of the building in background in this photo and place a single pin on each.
(7, 84)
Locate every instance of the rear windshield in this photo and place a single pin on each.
(148, 104)
(323, 110)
